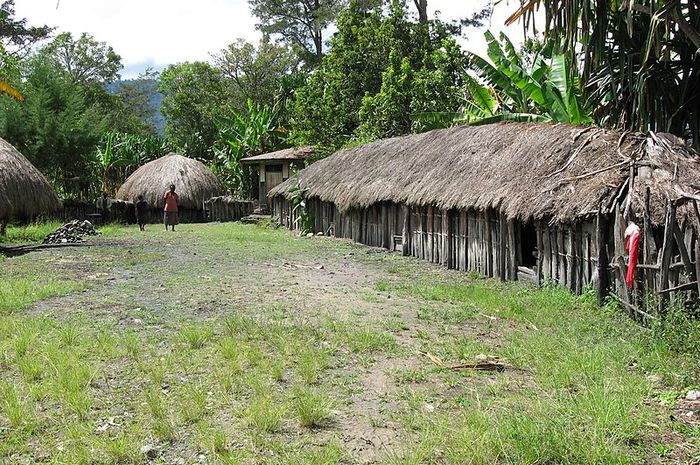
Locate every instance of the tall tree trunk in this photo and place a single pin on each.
(422, 6)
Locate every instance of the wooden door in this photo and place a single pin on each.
(273, 177)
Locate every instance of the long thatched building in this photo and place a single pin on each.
(194, 182)
(547, 202)
(24, 191)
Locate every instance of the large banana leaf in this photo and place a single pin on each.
(481, 95)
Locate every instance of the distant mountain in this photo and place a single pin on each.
(145, 89)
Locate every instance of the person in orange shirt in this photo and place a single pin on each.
(170, 209)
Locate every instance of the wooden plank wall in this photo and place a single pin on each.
(568, 254)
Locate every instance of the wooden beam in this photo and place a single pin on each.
(445, 259)
(540, 252)
(489, 243)
(685, 257)
(602, 285)
(502, 236)
(512, 252)
(682, 287)
(666, 253)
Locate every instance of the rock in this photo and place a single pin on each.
(692, 395)
(150, 451)
(310, 235)
(320, 233)
(428, 408)
(71, 232)
(481, 358)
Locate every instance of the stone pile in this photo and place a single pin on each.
(71, 232)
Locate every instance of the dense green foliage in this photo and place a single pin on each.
(380, 68)
(640, 59)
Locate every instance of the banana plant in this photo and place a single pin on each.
(550, 90)
(241, 135)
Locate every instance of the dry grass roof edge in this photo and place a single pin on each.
(24, 191)
(194, 182)
(527, 171)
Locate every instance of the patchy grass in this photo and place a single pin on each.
(231, 342)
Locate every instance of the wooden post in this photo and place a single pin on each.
(502, 236)
(512, 252)
(602, 287)
(685, 257)
(406, 232)
(489, 243)
(540, 251)
(430, 233)
(571, 270)
(666, 254)
(384, 227)
(447, 247)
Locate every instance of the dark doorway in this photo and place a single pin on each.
(528, 244)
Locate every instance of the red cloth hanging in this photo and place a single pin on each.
(632, 246)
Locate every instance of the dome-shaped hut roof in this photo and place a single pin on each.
(194, 182)
(24, 191)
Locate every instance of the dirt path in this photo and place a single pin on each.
(227, 327)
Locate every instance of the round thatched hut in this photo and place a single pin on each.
(24, 191)
(194, 182)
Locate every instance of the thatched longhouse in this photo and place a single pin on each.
(24, 191)
(194, 183)
(514, 201)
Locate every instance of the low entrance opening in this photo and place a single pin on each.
(528, 245)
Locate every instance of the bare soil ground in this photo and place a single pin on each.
(239, 344)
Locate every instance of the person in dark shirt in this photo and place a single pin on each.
(141, 212)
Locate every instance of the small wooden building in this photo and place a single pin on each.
(275, 167)
(546, 202)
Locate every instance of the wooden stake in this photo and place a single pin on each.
(666, 253)
(602, 287)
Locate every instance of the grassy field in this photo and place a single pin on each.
(228, 344)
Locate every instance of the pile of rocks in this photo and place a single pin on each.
(71, 232)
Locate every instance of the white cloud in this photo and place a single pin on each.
(159, 32)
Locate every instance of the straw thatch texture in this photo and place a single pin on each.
(290, 154)
(24, 191)
(524, 170)
(194, 182)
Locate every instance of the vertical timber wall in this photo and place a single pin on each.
(586, 254)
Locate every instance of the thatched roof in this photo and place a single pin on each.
(194, 182)
(291, 154)
(550, 171)
(24, 191)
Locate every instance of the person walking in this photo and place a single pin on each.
(103, 205)
(141, 212)
(170, 210)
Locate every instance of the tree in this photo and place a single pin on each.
(325, 112)
(56, 127)
(193, 99)
(255, 71)
(300, 23)
(641, 60)
(16, 37)
(86, 60)
(381, 67)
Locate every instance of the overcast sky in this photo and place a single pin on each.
(155, 33)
